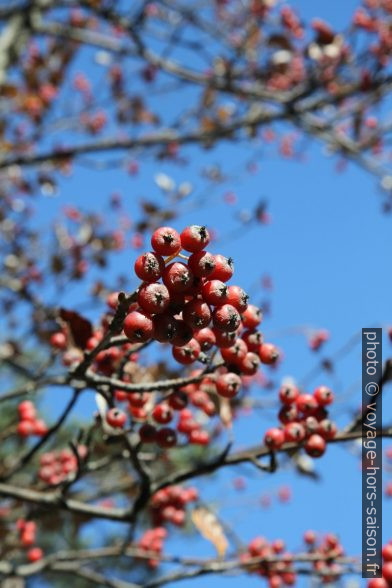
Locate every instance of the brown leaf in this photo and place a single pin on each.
(210, 528)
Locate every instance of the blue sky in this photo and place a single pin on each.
(327, 250)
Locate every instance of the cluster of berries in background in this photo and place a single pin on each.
(386, 580)
(152, 541)
(27, 536)
(29, 424)
(304, 419)
(330, 548)
(57, 466)
(277, 574)
(168, 505)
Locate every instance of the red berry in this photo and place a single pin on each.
(202, 264)
(288, 394)
(238, 298)
(224, 339)
(250, 364)
(149, 267)
(162, 414)
(251, 317)
(165, 327)
(274, 438)
(224, 268)
(236, 353)
(178, 400)
(226, 318)
(58, 340)
(153, 298)
(306, 403)
(315, 446)
(199, 437)
(311, 425)
(377, 583)
(194, 238)
(310, 537)
(25, 428)
(387, 571)
(138, 327)
(196, 314)
(166, 241)
(215, 292)
(294, 432)
(253, 340)
(116, 418)
(26, 410)
(387, 552)
(206, 338)
(177, 277)
(35, 554)
(166, 437)
(40, 428)
(228, 385)
(147, 433)
(268, 353)
(183, 334)
(188, 353)
(327, 429)
(288, 414)
(323, 395)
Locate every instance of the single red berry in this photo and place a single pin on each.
(199, 437)
(238, 298)
(310, 537)
(25, 428)
(249, 364)
(35, 554)
(274, 438)
(166, 437)
(206, 338)
(112, 300)
(166, 241)
(138, 327)
(202, 264)
(268, 353)
(116, 418)
(137, 399)
(183, 333)
(58, 340)
(188, 353)
(224, 268)
(196, 314)
(154, 298)
(226, 318)
(178, 400)
(306, 403)
(147, 433)
(253, 340)
(162, 414)
(165, 328)
(323, 395)
(228, 385)
(294, 432)
(377, 583)
(387, 571)
(40, 428)
(288, 414)
(149, 267)
(194, 238)
(27, 411)
(387, 552)
(215, 292)
(224, 339)
(177, 277)
(311, 425)
(315, 446)
(288, 394)
(274, 581)
(327, 429)
(236, 353)
(252, 317)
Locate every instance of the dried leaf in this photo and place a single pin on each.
(210, 528)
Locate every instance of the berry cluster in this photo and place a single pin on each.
(28, 422)
(27, 535)
(386, 580)
(329, 548)
(56, 466)
(277, 573)
(168, 505)
(152, 542)
(304, 418)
